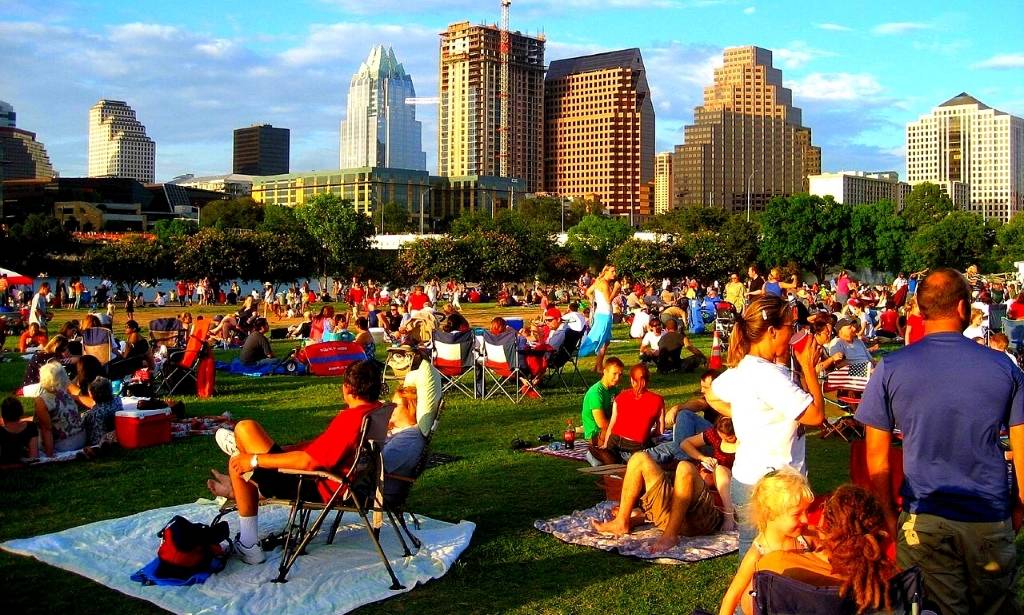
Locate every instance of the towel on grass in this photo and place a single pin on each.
(576, 529)
(329, 579)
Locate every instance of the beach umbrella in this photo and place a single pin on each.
(16, 279)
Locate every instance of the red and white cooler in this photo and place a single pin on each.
(140, 428)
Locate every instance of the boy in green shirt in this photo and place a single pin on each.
(597, 410)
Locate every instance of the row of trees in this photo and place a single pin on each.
(326, 236)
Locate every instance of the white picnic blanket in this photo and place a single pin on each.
(329, 579)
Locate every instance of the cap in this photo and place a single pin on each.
(845, 322)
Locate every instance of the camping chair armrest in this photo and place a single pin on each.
(314, 474)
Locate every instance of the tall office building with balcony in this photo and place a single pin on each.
(599, 132)
(380, 129)
(261, 149)
(747, 143)
(974, 152)
(118, 144)
(469, 109)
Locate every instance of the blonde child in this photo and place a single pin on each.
(778, 510)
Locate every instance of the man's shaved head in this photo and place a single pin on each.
(940, 293)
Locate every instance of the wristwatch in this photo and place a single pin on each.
(254, 462)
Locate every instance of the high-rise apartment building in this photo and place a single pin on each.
(118, 145)
(971, 150)
(599, 132)
(380, 129)
(7, 115)
(747, 143)
(469, 110)
(860, 187)
(261, 149)
(21, 156)
(663, 201)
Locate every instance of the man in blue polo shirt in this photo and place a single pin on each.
(950, 398)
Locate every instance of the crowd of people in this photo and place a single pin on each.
(948, 397)
(942, 379)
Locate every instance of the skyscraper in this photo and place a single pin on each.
(663, 182)
(261, 149)
(599, 131)
(25, 158)
(379, 129)
(7, 115)
(118, 145)
(970, 149)
(747, 143)
(469, 110)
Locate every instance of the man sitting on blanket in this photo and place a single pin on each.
(684, 507)
(255, 456)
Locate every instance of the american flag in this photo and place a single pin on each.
(851, 377)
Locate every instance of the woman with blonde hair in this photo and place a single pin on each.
(601, 293)
(56, 413)
(767, 407)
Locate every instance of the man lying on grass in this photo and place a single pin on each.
(255, 456)
(682, 507)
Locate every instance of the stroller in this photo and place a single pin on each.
(725, 319)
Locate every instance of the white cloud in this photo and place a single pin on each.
(797, 54)
(1002, 61)
(899, 27)
(836, 86)
(191, 90)
(833, 27)
(750, 10)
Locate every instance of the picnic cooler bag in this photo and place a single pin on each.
(140, 428)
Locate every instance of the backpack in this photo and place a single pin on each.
(187, 548)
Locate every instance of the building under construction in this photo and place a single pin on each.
(470, 125)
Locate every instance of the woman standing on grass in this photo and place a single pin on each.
(766, 406)
(601, 293)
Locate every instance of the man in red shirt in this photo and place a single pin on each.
(356, 294)
(255, 456)
(417, 299)
(1016, 309)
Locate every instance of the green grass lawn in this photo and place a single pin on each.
(509, 566)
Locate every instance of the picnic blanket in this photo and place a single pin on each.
(576, 529)
(329, 579)
(200, 425)
(577, 453)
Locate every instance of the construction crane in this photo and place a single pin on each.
(504, 93)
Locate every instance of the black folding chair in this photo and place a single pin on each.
(360, 490)
(775, 594)
(567, 356)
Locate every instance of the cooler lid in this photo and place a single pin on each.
(139, 414)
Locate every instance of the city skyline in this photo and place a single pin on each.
(223, 70)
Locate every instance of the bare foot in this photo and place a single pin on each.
(664, 543)
(219, 489)
(220, 477)
(613, 526)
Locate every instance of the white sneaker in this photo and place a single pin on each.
(252, 554)
(225, 439)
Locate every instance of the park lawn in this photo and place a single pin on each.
(509, 566)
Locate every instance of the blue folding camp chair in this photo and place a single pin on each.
(775, 594)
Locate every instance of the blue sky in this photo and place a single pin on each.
(195, 70)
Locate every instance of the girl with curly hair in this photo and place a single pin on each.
(852, 553)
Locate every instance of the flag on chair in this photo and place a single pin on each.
(854, 376)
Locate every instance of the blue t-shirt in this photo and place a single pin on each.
(950, 397)
(853, 352)
(773, 288)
